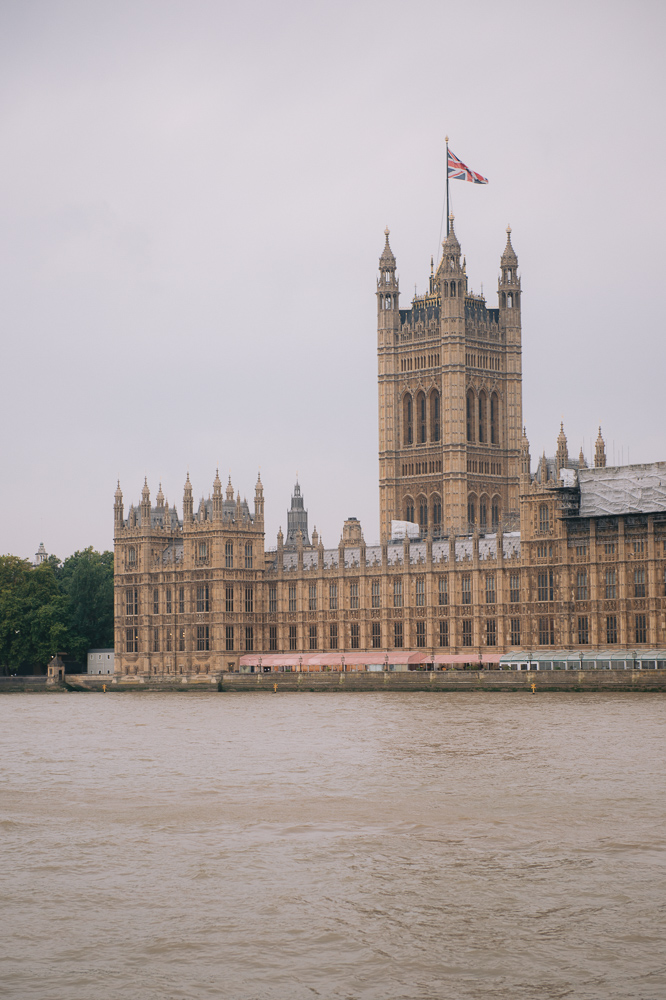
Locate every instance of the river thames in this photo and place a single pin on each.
(332, 845)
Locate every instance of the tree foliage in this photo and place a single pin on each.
(54, 607)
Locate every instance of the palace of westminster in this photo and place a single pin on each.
(477, 555)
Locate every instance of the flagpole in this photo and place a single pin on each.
(446, 139)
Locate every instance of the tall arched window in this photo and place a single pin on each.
(509, 301)
(470, 415)
(407, 422)
(496, 512)
(423, 513)
(453, 289)
(409, 509)
(483, 435)
(436, 513)
(421, 408)
(544, 520)
(471, 508)
(494, 419)
(483, 513)
(434, 415)
(387, 302)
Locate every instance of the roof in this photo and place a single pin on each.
(626, 489)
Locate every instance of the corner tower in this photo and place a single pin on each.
(450, 399)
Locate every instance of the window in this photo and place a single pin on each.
(131, 556)
(420, 634)
(611, 629)
(490, 588)
(156, 640)
(248, 555)
(203, 637)
(483, 513)
(470, 415)
(229, 632)
(376, 635)
(514, 588)
(203, 550)
(168, 600)
(482, 417)
(638, 548)
(292, 637)
(467, 632)
(272, 638)
(313, 636)
(312, 597)
(181, 600)
(353, 595)
(581, 585)
(169, 640)
(423, 514)
(515, 632)
(397, 592)
(292, 597)
(181, 640)
(229, 599)
(156, 601)
(610, 584)
(443, 633)
(421, 404)
(434, 417)
(407, 430)
(249, 600)
(397, 635)
(203, 598)
(272, 600)
(545, 585)
(443, 590)
(544, 520)
(132, 601)
(609, 548)
(333, 636)
(546, 628)
(466, 586)
(229, 555)
(583, 630)
(437, 511)
(470, 511)
(491, 632)
(333, 597)
(375, 594)
(581, 550)
(641, 628)
(249, 638)
(495, 514)
(355, 634)
(493, 419)
(639, 583)
(420, 592)
(132, 640)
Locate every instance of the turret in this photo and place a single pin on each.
(582, 462)
(259, 503)
(600, 452)
(159, 499)
(297, 519)
(509, 282)
(188, 503)
(388, 294)
(561, 455)
(118, 507)
(217, 497)
(145, 505)
(230, 491)
(525, 462)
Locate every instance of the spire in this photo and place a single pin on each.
(217, 485)
(230, 491)
(543, 470)
(118, 495)
(562, 454)
(187, 489)
(160, 497)
(509, 258)
(387, 259)
(188, 503)
(600, 452)
(525, 459)
(145, 492)
(582, 464)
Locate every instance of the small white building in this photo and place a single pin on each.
(100, 661)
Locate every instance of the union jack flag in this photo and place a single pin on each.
(459, 172)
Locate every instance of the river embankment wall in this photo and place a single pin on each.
(325, 681)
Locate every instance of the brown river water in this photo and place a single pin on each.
(332, 845)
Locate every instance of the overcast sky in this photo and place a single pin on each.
(192, 209)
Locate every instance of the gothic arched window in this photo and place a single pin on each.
(421, 407)
(407, 425)
(509, 301)
(483, 512)
(495, 512)
(409, 509)
(471, 509)
(434, 415)
(544, 520)
(423, 513)
(494, 419)
(436, 511)
(470, 415)
(453, 289)
(483, 435)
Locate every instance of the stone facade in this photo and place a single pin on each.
(570, 557)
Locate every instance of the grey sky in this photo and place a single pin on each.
(192, 209)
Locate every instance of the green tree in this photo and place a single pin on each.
(86, 579)
(34, 614)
